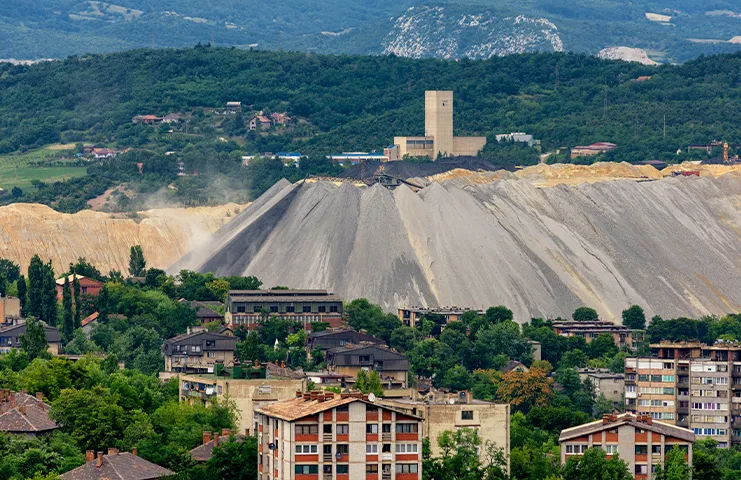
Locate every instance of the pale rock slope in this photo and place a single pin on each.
(103, 238)
(672, 245)
(626, 54)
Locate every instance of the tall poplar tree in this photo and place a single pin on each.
(49, 295)
(78, 301)
(68, 323)
(36, 287)
(23, 295)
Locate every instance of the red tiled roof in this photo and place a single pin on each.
(119, 466)
(89, 319)
(30, 415)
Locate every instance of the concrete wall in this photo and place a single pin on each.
(439, 120)
(468, 146)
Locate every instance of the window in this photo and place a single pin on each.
(371, 448)
(642, 469)
(343, 429)
(667, 378)
(290, 308)
(642, 377)
(343, 469)
(321, 309)
(241, 308)
(328, 428)
(307, 309)
(668, 366)
(655, 378)
(274, 308)
(406, 428)
(630, 388)
(306, 449)
(656, 449)
(386, 428)
(371, 428)
(467, 415)
(342, 408)
(371, 468)
(307, 469)
(406, 468)
(386, 448)
(327, 469)
(364, 358)
(327, 449)
(343, 449)
(335, 309)
(256, 309)
(211, 354)
(195, 348)
(611, 449)
(307, 429)
(641, 450)
(406, 448)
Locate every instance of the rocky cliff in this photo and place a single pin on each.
(105, 239)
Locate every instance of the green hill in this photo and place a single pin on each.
(675, 31)
(348, 103)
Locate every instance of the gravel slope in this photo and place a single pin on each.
(672, 246)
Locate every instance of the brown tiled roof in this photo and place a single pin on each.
(203, 453)
(123, 466)
(298, 408)
(30, 415)
(89, 319)
(627, 419)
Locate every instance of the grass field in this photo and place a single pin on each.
(16, 171)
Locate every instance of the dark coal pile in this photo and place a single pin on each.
(405, 169)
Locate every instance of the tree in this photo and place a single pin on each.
(103, 304)
(574, 359)
(33, 342)
(460, 459)
(585, 314)
(594, 465)
(404, 338)
(23, 294)
(3, 285)
(634, 317)
(369, 383)
(501, 339)
(233, 460)
(136, 261)
(706, 460)
(675, 466)
(86, 269)
(68, 322)
(525, 390)
(10, 270)
(36, 287)
(218, 288)
(49, 295)
(602, 346)
(78, 302)
(498, 314)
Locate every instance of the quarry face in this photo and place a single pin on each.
(672, 246)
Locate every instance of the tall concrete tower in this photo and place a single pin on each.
(439, 120)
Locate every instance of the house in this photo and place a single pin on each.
(342, 437)
(103, 153)
(204, 311)
(10, 337)
(410, 316)
(23, 414)
(451, 412)
(279, 118)
(172, 118)
(198, 351)
(519, 137)
(260, 122)
(204, 452)
(515, 366)
(391, 366)
(640, 441)
(116, 466)
(248, 386)
(248, 308)
(622, 335)
(89, 322)
(88, 286)
(147, 119)
(10, 310)
(592, 150)
(338, 337)
(611, 385)
(233, 106)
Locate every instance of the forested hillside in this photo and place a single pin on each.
(671, 30)
(348, 103)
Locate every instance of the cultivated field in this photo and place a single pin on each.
(18, 170)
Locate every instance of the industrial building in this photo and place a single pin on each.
(438, 139)
(343, 437)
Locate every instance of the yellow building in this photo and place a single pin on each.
(438, 138)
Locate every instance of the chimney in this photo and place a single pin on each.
(39, 396)
(299, 394)
(206, 437)
(22, 409)
(135, 452)
(605, 419)
(328, 395)
(112, 451)
(99, 463)
(12, 400)
(225, 432)
(216, 439)
(89, 456)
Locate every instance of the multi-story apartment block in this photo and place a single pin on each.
(410, 316)
(689, 384)
(641, 442)
(337, 437)
(248, 308)
(622, 335)
(198, 351)
(391, 366)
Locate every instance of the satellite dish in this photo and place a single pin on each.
(338, 455)
(371, 397)
(271, 446)
(451, 401)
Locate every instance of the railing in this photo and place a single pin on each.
(327, 476)
(386, 437)
(327, 437)
(327, 457)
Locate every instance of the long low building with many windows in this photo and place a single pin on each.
(342, 437)
(248, 308)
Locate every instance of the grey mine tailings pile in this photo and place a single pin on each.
(671, 245)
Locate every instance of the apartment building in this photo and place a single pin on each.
(391, 366)
(337, 437)
(640, 441)
(410, 316)
(198, 351)
(689, 384)
(248, 308)
(611, 385)
(622, 335)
